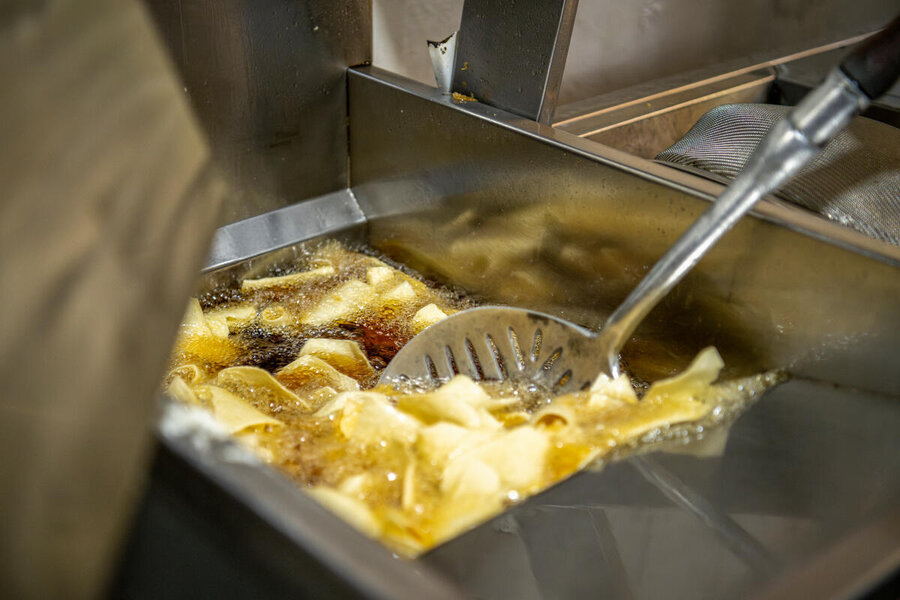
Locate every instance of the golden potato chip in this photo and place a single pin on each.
(308, 373)
(344, 355)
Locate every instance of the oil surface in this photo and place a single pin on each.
(410, 465)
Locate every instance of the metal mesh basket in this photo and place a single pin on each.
(854, 181)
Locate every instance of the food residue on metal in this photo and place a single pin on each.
(463, 98)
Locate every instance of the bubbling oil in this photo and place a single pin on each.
(277, 338)
(268, 324)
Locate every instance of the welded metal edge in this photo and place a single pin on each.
(695, 78)
(769, 209)
(858, 565)
(632, 110)
(258, 235)
(366, 565)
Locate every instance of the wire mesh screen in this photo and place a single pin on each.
(854, 181)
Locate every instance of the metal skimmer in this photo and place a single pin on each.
(502, 343)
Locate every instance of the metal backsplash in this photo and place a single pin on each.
(567, 227)
(267, 80)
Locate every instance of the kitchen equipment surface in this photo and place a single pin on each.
(505, 342)
(520, 214)
(855, 181)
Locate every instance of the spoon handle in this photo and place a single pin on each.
(788, 147)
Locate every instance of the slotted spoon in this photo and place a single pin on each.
(495, 342)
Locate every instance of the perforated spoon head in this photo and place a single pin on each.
(501, 343)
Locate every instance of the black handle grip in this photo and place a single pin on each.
(875, 64)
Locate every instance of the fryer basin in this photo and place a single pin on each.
(517, 213)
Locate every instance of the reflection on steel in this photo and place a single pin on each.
(579, 530)
(618, 44)
(679, 83)
(790, 145)
(863, 565)
(511, 54)
(735, 537)
(529, 216)
(266, 79)
(645, 121)
(245, 239)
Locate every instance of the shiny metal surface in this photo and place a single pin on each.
(791, 144)
(641, 119)
(500, 343)
(109, 202)
(512, 54)
(528, 216)
(331, 213)
(649, 118)
(485, 343)
(266, 80)
(525, 215)
(616, 44)
(854, 181)
(802, 474)
(572, 227)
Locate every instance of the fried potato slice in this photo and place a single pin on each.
(232, 318)
(258, 383)
(233, 412)
(309, 373)
(370, 420)
(350, 509)
(426, 316)
(344, 355)
(341, 304)
(291, 280)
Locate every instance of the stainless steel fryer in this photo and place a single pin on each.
(799, 497)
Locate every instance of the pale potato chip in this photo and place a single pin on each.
(340, 304)
(233, 412)
(469, 476)
(434, 407)
(349, 509)
(179, 390)
(234, 317)
(344, 355)
(190, 373)
(426, 316)
(701, 373)
(309, 373)
(555, 414)
(437, 444)
(398, 295)
(203, 341)
(379, 275)
(320, 397)
(276, 316)
(461, 386)
(370, 420)
(254, 382)
(337, 403)
(194, 322)
(517, 456)
(294, 279)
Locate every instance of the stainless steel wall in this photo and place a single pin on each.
(616, 44)
(565, 226)
(266, 80)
